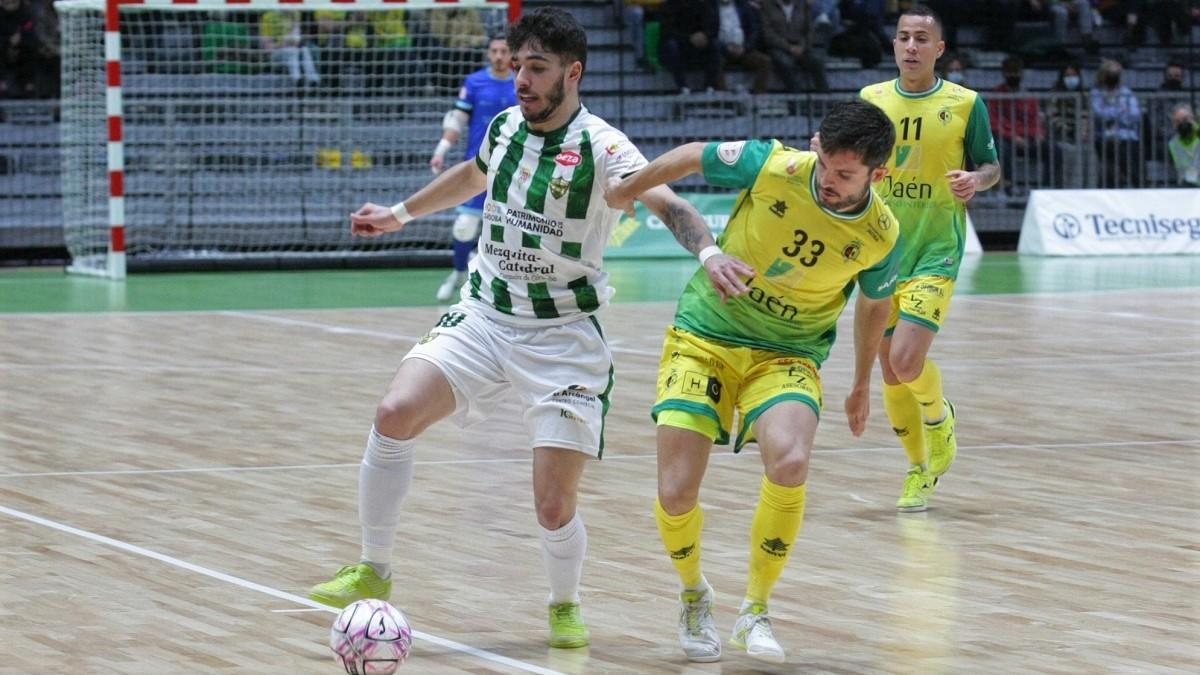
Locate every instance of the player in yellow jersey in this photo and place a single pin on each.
(939, 126)
(810, 227)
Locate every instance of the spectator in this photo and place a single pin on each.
(864, 37)
(279, 36)
(1172, 77)
(21, 55)
(689, 36)
(1059, 13)
(47, 81)
(330, 44)
(390, 61)
(1070, 121)
(226, 45)
(739, 40)
(462, 34)
(954, 69)
(1184, 147)
(787, 31)
(1018, 131)
(1118, 118)
(827, 16)
(1168, 17)
(633, 15)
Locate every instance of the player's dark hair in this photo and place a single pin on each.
(498, 35)
(860, 127)
(918, 9)
(553, 30)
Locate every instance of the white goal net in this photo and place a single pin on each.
(251, 129)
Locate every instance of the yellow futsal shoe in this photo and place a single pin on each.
(351, 584)
(918, 485)
(567, 629)
(942, 445)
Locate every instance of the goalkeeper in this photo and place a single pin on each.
(484, 94)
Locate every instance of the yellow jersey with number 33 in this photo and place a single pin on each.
(936, 131)
(807, 257)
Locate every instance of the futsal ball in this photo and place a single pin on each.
(370, 637)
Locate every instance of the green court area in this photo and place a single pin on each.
(44, 289)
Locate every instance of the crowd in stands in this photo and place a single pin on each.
(778, 45)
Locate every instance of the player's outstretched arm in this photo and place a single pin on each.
(725, 272)
(870, 320)
(671, 166)
(453, 187)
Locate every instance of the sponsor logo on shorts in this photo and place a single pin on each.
(701, 384)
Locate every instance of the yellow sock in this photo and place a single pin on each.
(905, 415)
(772, 535)
(928, 390)
(681, 536)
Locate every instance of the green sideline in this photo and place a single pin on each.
(45, 289)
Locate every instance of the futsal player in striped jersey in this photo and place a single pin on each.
(524, 325)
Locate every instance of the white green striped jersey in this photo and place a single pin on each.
(545, 222)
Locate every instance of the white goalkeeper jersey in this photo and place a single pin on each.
(545, 223)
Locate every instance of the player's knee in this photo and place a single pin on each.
(396, 417)
(789, 469)
(906, 365)
(466, 227)
(677, 498)
(554, 510)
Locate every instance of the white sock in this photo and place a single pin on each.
(563, 550)
(383, 480)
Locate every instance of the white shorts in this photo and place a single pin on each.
(561, 375)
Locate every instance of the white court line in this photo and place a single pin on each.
(611, 458)
(266, 590)
(344, 330)
(1072, 310)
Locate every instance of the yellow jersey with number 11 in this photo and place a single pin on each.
(936, 131)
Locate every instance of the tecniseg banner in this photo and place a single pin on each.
(1111, 222)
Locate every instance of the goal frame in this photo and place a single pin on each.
(115, 267)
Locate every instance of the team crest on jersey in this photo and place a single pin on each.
(559, 186)
(730, 152)
(852, 250)
(945, 116)
(524, 176)
(568, 158)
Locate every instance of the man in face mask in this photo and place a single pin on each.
(1019, 129)
(1184, 146)
(1172, 77)
(1117, 114)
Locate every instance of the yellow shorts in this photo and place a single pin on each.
(701, 382)
(922, 300)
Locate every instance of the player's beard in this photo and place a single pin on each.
(554, 99)
(846, 203)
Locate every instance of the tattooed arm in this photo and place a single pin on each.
(648, 186)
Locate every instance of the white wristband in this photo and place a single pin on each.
(708, 252)
(442, 148)
(401, 213)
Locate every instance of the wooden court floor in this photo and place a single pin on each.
(171, 483)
